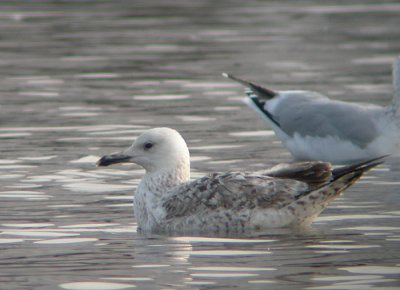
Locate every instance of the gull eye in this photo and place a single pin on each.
(148, 145)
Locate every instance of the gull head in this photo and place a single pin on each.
(158, 149)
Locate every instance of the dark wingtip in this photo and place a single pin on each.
(358, 167)
(232, 77)
(102, 162)
(261, 92)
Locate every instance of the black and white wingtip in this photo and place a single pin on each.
(261, 92)
(243, 82)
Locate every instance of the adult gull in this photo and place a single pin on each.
(166, 200)
(313, 127)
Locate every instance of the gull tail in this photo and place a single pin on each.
(309, 205)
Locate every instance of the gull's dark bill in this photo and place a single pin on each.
(112, 159)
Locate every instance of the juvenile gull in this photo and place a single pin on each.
(225, 203)
(314, 127)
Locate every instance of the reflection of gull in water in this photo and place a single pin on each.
(226, 203)
(314, 127)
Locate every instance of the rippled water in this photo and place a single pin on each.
(80, 79)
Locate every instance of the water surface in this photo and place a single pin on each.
(80, 79)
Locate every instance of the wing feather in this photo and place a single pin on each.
(314, 173)
(233, 191)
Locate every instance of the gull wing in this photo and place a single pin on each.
(233, 191)
(236, 201)
(241, 191)
(319, 117)
(314, 173)
(261, 92)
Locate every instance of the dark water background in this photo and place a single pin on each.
(79, 79)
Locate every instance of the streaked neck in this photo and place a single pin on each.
(164, 179)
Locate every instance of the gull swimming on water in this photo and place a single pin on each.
(166, 200)
(314, 127)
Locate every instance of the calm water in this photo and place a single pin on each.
(79, 79)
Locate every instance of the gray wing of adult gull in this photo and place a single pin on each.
(319, 117)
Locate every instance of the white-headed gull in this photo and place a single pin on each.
(226, 203)
(314, 127)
